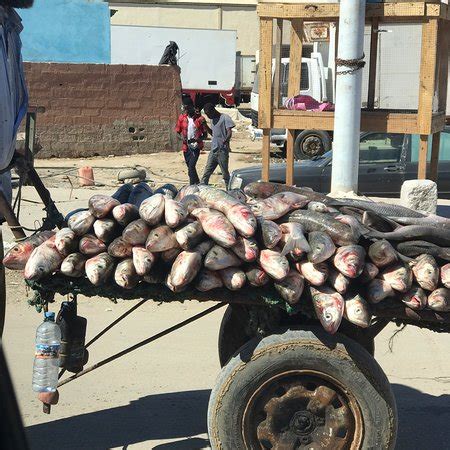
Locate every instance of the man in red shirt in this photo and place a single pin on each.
(191, 127)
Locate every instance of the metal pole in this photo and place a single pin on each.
(347, 118)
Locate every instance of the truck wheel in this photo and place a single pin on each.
(310, 143)
(302, 389)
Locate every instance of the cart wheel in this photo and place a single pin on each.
(2, 286)
(302, 389)
(232, 333)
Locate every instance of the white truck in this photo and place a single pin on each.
(207, 58)
(397, 80)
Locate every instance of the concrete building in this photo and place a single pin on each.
(239, 15)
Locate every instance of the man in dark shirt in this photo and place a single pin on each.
(221, 131)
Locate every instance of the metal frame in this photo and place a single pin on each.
(433, 75)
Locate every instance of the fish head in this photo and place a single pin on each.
(259, 189)
(357, 312)
(17, 257)
(251, 249)
(330, 317)
(34, 271)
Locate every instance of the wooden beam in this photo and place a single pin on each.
(444, 30)
(295, 77)
(265, 155)
(265, 74)
(381, 121)
(373, 63)
(329, 11)
(423, 154)
(427, 75)
(434, 162)
(276, 75)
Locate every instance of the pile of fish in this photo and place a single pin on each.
(341, 254)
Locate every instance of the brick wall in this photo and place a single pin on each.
(97, 109)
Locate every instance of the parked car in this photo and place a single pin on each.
(386, 161)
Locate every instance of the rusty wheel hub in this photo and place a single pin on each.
(302, 409)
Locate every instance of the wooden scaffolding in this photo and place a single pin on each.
(434, 17)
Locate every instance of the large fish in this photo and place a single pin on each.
(338, 281)
(73, 265)
(321, 247)
(428, 233)
(190, 235)
(81, 222)
(349, 260)
(216, 226)
(340, 233)
(120, 249)
(274, 264)
(143, 260)
(278, 205)
(382, 253)
(315, 274)
(398, 276)
(175, 213)
(377, 290)
(191, 202)
(256, 276)
(329, 307)
(136, 232)
(101, 205)
(18, 256)
(100, 268)
(246, 248)
(265, 189)
(184, 269)
(233, 278)
(106, 229)
(90, 245)
(291, 287)
(125, 274)
(445, 275)
(152, 209)
(239, 214)
(269, 233)
(357, 311)
(426, 272)
(126, 213)
(417, 248)
(439, 300)
(43, 261)
(160, 239)
(192, 189)
(66, 241)
(208, 280)
(294, 239)
(220, 258)
(415, 298)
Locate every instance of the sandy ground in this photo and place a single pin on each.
(157, 396)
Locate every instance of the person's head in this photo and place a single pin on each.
(210, 111)
(17, 3)
(190, 110)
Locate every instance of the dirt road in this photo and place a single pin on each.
(157, 397)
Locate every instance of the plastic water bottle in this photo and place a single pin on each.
(46, 360)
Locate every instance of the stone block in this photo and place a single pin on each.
(420, 195)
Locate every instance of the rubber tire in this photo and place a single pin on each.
(324, 137)
(337, 355)
(232, 332)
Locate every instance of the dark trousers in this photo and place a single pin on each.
(217, 157)
(191, 157)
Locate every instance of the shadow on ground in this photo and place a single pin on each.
(155, 417)
(423, 423)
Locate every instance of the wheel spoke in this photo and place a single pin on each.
(340, 418)
(286, 441)
(322, 397)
